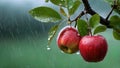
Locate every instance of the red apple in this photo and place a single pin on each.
(68, 40)
(93, 48)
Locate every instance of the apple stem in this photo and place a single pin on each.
(75, 24)
(90, 32)
(79, 16)
(86, 15)
(89, 27)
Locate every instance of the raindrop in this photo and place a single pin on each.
(49, 38)
(48, 48)
(78, 53)
(78, 34)
(60, 4)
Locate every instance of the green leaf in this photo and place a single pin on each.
(69, 4)
(116, 35)
(115, 23)
(59, 2)
(118, 8)
(46, 0)
(75, 6)
(100, 29)
(63, 3)
(82, 27)
(94, 20)
(110, 1)
(52, 33)
(45, 14)
(62, 11)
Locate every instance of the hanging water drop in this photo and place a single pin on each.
(78, 53)
(62, 52)
(48, 48)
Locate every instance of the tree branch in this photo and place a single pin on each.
(113, 7)
(80, 15)
(109, 14)
(90, 11)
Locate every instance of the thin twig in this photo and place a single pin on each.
(109, 14)
(114, 6)
(80, 15)
(92, 12)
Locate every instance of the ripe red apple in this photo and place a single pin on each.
(93, 48)
(68, 40)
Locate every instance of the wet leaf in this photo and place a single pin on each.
(109, 1)
(82, 27)
(46, 0)
(100, 29)
(115, 23)
(75, 6)
(116, 35)
(94, 20)
(52, 33)
(62, 11)
(59, 2)
(117, 10)
(45, 14)
(118, 7)
(69, 3)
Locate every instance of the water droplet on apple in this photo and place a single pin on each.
(78, 34)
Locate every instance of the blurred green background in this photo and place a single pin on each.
(23, 40)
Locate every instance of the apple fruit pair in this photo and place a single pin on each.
(92, 48)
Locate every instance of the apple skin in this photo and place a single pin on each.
(93, 48)
(68, 40)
